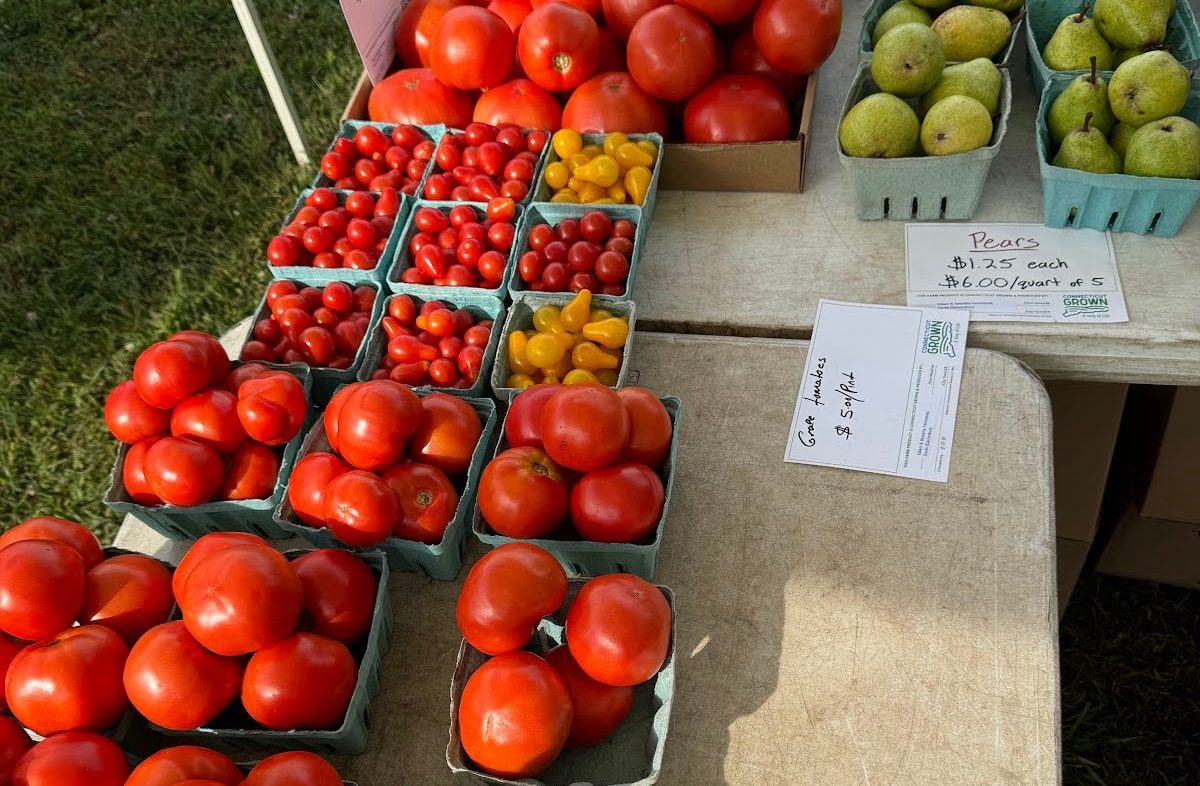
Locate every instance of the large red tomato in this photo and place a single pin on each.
(585, 427)
(211, 418)
(506, 594)
(360, 509)
(523, 493)
(372, 422)
(214, 353)
(41, 588)
(8, 650)
(649, 427)
(744, 58)
(129, 594)
(519, 102)
(133, 473)
(513, 12)
(14, 743)
(591, 6)
(182, 472)
(70, 533)
(297, 768)
(339, 593)
(599, 709)
(514, 716)
(559, 46)
(720, 12)
(622, 15)
(612, 101)
(241, 599)
(448, 433)
(415, 29)
(427, 501)
(737, 108)
(523, 423)
(278, 687)
(619, 629)
(253, 470)
(129, 418)
(472, 48)
(272, 407)
(175, 682)
(797, 35)
(617, 504)
(672, 52)
(306, 487)
(170, 371)
(72, 759)
(71, 682)
(172, 766)
(204, 546)
(414, 95)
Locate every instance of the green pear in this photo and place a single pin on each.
(1133, 24)
(1169, 147)
(899, 14)
(1085, 95)
(956, 124)
(978, 79)
(908, 60)
(1086, 149)
(1121, 55)
(934, 5)
(1004, 6)
(1148, 87)
(1075, 42)
(1119, 138)
(968, 32)
(879, 126)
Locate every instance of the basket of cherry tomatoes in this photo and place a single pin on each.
(446, 246)
(484, 162)
(569, 248)
(375, 156)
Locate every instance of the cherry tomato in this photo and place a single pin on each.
(253, 470)
(502, 209)
(611, 267)
(284, 251)
(585, 427)
(69, 533)
(175, 682)
(168, 372)
(172, 766)
(371, 423)
(599, 709)
(360, 509)
(403, 308)
(491, 267)
(619, 629)
(277, 689)
(555, 277)
(271, 408)
(427, 501)
(72, 759)
(128, 593)
(500, 236)
(437, 187)
(339, 593)
(296, 768)
(523, 493)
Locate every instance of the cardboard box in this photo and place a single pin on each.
(757, 166)
(1153, 550)
(1172, 492)
(1072, 554)
(1087, 417)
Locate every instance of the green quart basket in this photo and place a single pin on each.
(251, 515)
(481, 306)
(324, 380)
(586, 558)
(921, 188)
(523, 201)
(1044, 16)
(233, 731)
(1123, 203)
(632, 756)
(520, 317)
(542, 192)
(440, 561)
(317, 276)
(552, 213)
(433, 133)
(402, 259)
(877, 7)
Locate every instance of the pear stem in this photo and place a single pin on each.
(1082, 13)
(1087, 121)
(1094, 77)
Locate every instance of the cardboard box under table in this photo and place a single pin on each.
(832, 626)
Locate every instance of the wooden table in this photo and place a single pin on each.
(834, 627)
(756, 264)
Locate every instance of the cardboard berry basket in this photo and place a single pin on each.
(1157, 206)
(920, 187)
(325, 380)
(234, 732)
(520, 317)
(318, 276)
(1044, 17)
(438, 561)
(633, 756)
(250, 515)
(588, 558)
(543, 192)
(402, 259)
(552, 213)
(877, 7)
(433, 132)
(481, 306)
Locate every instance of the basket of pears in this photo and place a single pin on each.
(1122, 153)
(969, 30)
(1064, 35)
(917, 136)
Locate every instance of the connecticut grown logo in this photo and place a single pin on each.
(938, 338)
(1074, 305)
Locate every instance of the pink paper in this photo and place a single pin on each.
(372, 25)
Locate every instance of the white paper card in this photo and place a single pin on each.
(372, 25)
(880, 390)
(1015, 272)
